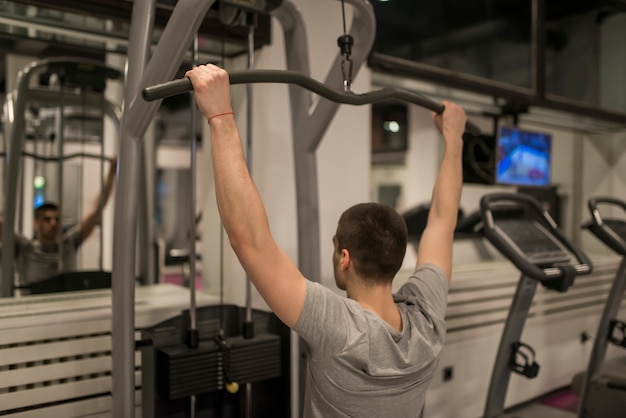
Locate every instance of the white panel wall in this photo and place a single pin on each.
(343, 156)
(619, 171)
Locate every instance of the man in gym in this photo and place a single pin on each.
(374, 352)
(38, 258)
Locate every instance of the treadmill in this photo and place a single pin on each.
(523, 232)
(603, 386)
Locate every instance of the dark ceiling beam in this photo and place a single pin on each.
(121, 10)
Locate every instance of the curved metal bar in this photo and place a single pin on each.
(65, 157)
(182, 85)
(51, 98)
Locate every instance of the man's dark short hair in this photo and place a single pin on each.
(44, 207)
(376, 237)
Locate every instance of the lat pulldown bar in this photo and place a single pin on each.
(182, 85)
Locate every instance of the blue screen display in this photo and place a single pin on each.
(523, 157)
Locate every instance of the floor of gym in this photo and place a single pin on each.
(562, 403)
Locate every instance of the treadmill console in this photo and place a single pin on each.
(521, 230)
(533, 241)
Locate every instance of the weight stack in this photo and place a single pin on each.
(182, 371)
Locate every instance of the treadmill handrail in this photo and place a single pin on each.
(599, 227)
(487, 203)
(182, 85)
(594, 201)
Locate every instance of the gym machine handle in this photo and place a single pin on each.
(529, 367)
(489, 202)
(182, 85)
(602, 228)
(595, 201)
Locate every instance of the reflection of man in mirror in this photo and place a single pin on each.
(38, 258)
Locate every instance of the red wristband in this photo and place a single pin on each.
(220, 114)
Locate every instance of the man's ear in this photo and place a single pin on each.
(345, 259)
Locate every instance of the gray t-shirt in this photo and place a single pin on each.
(36, 261)
(358, 365)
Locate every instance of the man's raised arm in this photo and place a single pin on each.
(276, 277)
(94, 216)
(436, 242)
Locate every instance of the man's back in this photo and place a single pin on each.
(358, 365)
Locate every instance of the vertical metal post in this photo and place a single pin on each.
(251, 21)
(579, 194)
(60, 145)
(150, 153)
(249, 122)
(518, 313)
(165, 60)
(123, 283)
(12, 165)
(193, 331)
(101, 202)
(125, 226)
(538, 48)
(192, 205)
(611, 309)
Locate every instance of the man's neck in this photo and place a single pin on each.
(378, 299)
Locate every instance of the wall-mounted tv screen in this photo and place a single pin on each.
(523, 157)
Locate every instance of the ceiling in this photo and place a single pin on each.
(404, 23)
